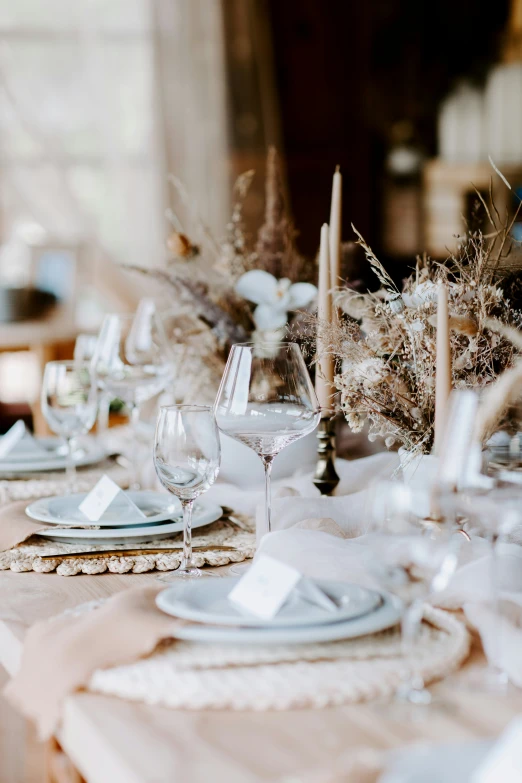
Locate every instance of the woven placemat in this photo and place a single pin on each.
(28, 556)
(195, 676)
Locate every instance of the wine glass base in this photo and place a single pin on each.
(489, 680)
(239, 569)
(181, 573)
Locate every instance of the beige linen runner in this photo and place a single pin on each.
(16, 526)
(62, 653)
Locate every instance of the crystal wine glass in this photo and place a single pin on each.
(69, 404)
(187, 455)
(411, 558)
(491, 515)
(85, 349)
(132, 362)
(266, 400)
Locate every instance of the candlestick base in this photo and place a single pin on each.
(326, 478)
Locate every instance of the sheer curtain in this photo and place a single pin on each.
(100, 99)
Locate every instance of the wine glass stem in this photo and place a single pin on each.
(103, 415)
(135, 457)
(267, 462)
(496, 665)
(70, 467)
(410, 626)
(186, 561)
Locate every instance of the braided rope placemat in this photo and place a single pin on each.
(188, 675)
(28, 556)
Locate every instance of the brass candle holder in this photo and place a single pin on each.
(326, 478)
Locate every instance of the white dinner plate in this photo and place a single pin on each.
(194, 601)
(204, 514)
(64, 510)
(88, 453)
(384, 616)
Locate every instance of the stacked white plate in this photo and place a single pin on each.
(34, 455)
(119, 524)
(360, 611)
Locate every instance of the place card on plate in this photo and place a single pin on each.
(96, 503)
(11, 438)
(504, 761)
(269, 583)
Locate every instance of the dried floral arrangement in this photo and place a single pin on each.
(234, 289)
(385, 343)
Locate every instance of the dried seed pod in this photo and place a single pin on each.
(462, 324)
(180, 245)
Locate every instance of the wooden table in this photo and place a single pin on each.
(112, 741)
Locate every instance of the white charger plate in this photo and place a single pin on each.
(64, 510)
(204, 514)
(194, 601)
(88, 453)
(384, 616)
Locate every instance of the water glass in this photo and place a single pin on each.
(132, 362)
(69, 404)
(187, 455)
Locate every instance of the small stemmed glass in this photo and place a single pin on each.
(85, 349)
(69, 405)
(490, 515)
(411, 558)
(132, 362)
(266, 400)
(187, 455)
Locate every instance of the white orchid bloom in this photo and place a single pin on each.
(274, 298)
(424, 292)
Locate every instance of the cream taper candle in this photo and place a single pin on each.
(443, 367)
(325, 366)
(336, 227)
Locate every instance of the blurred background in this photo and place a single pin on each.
(101, 99)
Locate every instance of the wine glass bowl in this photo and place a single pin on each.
(187, 455)
(266, 400)
(411, 558)
(69, 404)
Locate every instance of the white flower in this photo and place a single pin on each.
(266, 342)
(370, 371)
(274, 298)
(424, 292)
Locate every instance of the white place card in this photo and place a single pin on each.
(503, 764)
(265, 587)
(268, 584)
(11, 438)
(96, 503)
(315, 595)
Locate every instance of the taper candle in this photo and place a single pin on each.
(336, 227)
(443, 367)
(325, 366)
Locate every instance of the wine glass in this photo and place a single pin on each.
(132, 362)
(266, 400)
(411, 558)
(491, 515)
(69, 404)
(85, 349)
(187, 455)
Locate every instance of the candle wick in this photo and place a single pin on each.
(337, 169)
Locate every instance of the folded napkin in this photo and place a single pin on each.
(16, 526)
(58, 655)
